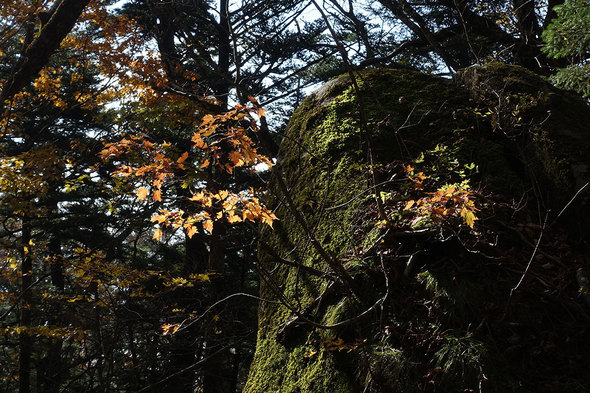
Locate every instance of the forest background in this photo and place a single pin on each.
(136, 142)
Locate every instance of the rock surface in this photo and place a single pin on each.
(435, 303)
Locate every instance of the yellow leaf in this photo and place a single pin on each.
(191, 231)
(197, 197)
(159, 218)
(468, 217)
(268, 218)
(157, 234)
(261, 112)
(208, 225)
(169, 329)
(205, 163)
(233, 218)
(141, 193)
(409, 204)
(203, 277)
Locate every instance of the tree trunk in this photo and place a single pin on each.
(224, 52)
(25, 341)
(62, 18)
(50, 369)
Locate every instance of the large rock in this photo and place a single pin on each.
(435, 305)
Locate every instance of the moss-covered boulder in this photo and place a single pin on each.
(443, 202)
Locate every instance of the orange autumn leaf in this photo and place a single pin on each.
(236, 158)
(198, 141)
(208, 225)
(141, 193)
(197, 197)
(190, 231)
(421, 176)
(232, 218)
(183, 157)
(160, 218)
(157, 195)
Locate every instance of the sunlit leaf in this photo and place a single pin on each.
(141, 193)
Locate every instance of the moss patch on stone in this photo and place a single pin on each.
(429, 331)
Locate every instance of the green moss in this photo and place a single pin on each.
(280, 370)
(324, 161)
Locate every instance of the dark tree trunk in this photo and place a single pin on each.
(50, 369)
(25, 341)
(61, 19)
(224, 52)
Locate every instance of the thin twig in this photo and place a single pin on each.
(531, 258)
(197, 319)
(571, 200)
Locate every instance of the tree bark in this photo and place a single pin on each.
(62, 18)
(224, 52)
(25, 341)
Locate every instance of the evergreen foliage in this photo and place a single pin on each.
(568, 37)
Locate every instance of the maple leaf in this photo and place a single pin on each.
(421, 176)
(183, 157)
(157, 234)
(197, 197)
(141, 193)
(169, 328)
(157, 195)
(267, 219)
(190, 231)
(232, 218)
(159, 218)
(236, 158)
(468, 217)
(198, 141)
(208, 225)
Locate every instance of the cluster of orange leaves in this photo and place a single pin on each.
(449, 201)
(220, 142)
(224, 138)
(229, 207)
